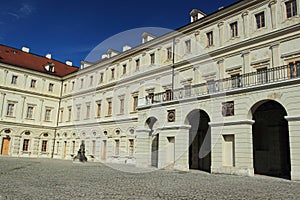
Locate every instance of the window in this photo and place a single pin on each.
(81, 83)
(150, 98)
(73, 147)
(94, 147)
(112, 73)
(88, 111)
(61, 115)
(25, 144)
(10, 109)
(137, 64)
(124, 69)
(65, 88)
(152, 58)
(262, 76)
(57, 147)
(210, 86)
(91, 80)
(73, 85)
(117, 148)
(14, 79)
(188, 46)
(101, 78)
(48, 114)
(195, 18)
(44, 145)
(234, 29)
(168, 95)
(78, 113)
(260, 20)
(294, 69)
(69, 113)
(122, 106)
(32, 83)
(131, 147)
(135, 103)
(51, 86)
(235, 81)
(291, 8)
(169, 53)
(210, 39)
(98, 109)
(29, 114)
(188, 90)
(109, 107)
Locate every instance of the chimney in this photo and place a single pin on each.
(126, 48)
(25, 49)
(48, 55)
(69, 63)
(104, 56)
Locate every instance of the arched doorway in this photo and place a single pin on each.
(150, 123)
(271, 150)
(199, 140)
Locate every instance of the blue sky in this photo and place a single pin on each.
(70, 29)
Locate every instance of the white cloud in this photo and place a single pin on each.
(26, 9)
(23, 11)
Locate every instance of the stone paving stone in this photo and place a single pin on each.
(23, 178)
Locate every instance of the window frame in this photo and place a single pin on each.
(291, 11)
(260, 20)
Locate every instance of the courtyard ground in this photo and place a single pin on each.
(22, 178)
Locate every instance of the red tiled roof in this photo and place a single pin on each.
(31, 61)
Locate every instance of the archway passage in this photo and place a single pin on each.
(271, 151)
(199, 140)
(150, 123)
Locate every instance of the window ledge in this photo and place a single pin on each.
(9, 116)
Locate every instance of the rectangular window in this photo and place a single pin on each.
(234, 29)
(135, 102)
(262, 75)
(73, 85)
(78, 113)
(109, 108)
(65, 88)
(137, 64)
(112, 73)
(91, 80)
(81, 83)
(117, 148)
(168, 95)
(10, 109)
(98, 109)
(188, 46)
(51, 86)
(57, 147)
(25, 144)
(210, 38)
(124, 69)
(210, 86)
(48, 115)
(29, 114)
(88, 111)
(93, 147)
(188, 90)
(131, 147)
(73, 147)
(33, 83)
(101, 78)
(294, 69)
(152, 58)
(14, 79)
(44, 145)
(169, 53)
(235, 81)
(122, 106)
(61, 115)
(260, 20)
(69, 114)
(291, 8)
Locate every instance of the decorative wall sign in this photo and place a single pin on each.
(228, 109)
(171, 115)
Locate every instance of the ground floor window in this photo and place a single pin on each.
(131, 147)
(25, 144)
(44, 145)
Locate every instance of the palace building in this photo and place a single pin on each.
(220, 94)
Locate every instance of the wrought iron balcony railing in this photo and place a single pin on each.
(260, 77)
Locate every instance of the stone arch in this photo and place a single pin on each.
(270, 136)
(199, 140)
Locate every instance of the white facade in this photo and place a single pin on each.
(232, 85)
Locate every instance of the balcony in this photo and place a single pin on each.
(258, 78)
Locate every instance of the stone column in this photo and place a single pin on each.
(221, 69)
(246, 62)
(16, 145)
(221, 33)
(143, 147)
(294, 139)
(275, 55)
(272, 6)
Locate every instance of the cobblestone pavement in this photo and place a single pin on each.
(58, 179)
